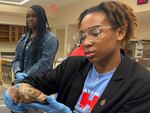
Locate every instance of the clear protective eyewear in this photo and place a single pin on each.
(92, 33)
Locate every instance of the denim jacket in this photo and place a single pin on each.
(44, 60)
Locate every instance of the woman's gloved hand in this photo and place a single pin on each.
(9, 102)
(52, 106)
(20, 76)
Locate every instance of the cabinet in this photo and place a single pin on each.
(131, 48)
(11, 33)
(144, 57)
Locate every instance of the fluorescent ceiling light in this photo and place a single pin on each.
(16, 3)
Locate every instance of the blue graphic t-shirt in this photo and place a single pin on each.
(94, 86)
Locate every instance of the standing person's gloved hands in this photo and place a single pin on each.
(52, 107)
(17, 108)
(20, 75)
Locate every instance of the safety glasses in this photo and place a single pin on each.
(92, 32)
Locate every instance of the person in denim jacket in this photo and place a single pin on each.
(35, 51)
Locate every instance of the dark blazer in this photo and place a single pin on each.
(127, 92)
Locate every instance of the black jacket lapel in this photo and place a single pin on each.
(112, 88)
(77, 86)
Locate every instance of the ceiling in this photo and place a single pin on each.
(58, 3)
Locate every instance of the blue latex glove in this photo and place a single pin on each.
(52, 107)
(20, 76)
(17, 108)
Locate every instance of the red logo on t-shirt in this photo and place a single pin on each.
(85, 101)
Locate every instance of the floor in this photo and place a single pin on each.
(3, 108)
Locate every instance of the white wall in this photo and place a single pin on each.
(12, 19)
(60, 36)
(143, 31)
(137, 8)
(69, 14)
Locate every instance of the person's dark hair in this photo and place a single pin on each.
(119, 15)
(42, 27)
